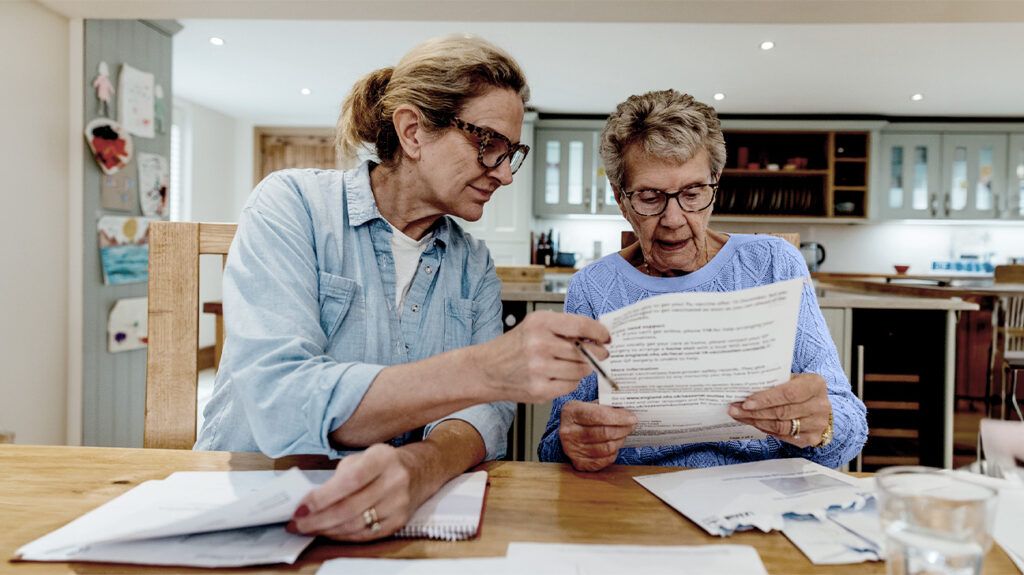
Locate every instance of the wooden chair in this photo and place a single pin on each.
(171, 365)
(1011, 333)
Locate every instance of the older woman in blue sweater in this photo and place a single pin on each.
(664, 153)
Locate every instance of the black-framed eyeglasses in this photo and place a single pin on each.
(494, 147)
(696, 198)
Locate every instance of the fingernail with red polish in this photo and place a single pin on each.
(302, 511)
(291, 528)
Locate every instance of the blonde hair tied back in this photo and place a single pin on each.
(437, 78)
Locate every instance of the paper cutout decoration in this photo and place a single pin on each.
(124, 249)
(153, 177)
(119, 191)
(160, 109)
(104, 90)
(136, 103)
(127, 325)
(111, 146)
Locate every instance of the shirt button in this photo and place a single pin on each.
(415, 308)
(428, 269)
(406, 347)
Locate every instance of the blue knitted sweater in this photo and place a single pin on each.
(745, 261)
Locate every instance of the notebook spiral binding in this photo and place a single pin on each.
(442, 531)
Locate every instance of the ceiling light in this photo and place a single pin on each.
(767, 45)
(305, 91)
(719, 96)
(917, 97)
(216, 41)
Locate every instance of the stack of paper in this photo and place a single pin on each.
(202, 519)
(756, 495)
(556, 559)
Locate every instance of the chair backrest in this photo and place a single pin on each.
(1012, 316)
(171, 365)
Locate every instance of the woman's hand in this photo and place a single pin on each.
(538, 360)
(371, 495)
(803, 398)
(592, 434)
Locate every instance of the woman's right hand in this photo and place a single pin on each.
(592, 434)
(538, 360)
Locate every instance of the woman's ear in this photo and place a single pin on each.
(409, 127)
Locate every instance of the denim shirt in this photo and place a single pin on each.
(309, 298)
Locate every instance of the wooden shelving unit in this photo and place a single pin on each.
(822, 175)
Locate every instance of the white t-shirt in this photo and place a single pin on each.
(407, 252)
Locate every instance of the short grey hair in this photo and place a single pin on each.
(666, 124)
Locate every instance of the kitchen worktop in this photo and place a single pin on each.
(828, 297)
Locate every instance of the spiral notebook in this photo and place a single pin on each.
(453, 513)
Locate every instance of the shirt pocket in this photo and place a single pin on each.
(458, 322)
(336, 296)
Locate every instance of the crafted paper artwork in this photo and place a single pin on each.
(153, 184)
(136, 104)
(127, 327)
(110, 145)
(124, 249)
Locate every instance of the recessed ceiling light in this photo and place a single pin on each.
(305, 91)
(767, 45)
(719, 96)
(917, 97)
(216, 41)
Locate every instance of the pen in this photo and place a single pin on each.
(597, 367)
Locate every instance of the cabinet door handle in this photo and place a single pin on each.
(933, 205)
(945, 205)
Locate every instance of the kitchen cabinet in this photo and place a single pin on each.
(507, 219)
(803, 172)
(948, 175)
(1015, 177)
(568, 175)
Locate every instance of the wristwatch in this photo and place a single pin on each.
(826, 435)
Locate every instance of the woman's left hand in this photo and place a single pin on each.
(371, 495)
(803, 399)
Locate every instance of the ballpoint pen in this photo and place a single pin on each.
(597, 367)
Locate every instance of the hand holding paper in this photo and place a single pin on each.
(592, 434)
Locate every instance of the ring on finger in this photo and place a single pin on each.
(370, 519)
(794, 427)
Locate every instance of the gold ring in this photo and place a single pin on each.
(370, 519)
(794, 427)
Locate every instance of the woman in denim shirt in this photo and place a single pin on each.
(361, 318)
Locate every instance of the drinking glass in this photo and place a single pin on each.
(934, 522)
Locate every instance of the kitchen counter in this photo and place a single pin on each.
(828, 297)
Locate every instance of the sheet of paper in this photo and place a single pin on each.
(1009, 529)
(184, 506)
(844, 536)
(469, 566)
(647, 559)
(725, 499)
(680, 359)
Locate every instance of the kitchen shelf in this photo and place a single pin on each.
(851, 159)
(762, 172)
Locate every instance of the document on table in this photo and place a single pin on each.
(203, 519)
(680, 359)
(729, 498)
(559, 559)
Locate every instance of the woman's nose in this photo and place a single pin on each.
(673, 216)
(502, 172)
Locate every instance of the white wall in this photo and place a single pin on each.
(34, 108)
(211, 139)
(872, 247)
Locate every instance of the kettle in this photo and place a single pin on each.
(814, 255)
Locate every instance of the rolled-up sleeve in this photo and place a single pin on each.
(491, 420)
(293, 394)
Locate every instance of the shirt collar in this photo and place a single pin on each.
(362, 207)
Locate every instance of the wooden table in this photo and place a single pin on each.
(42, 488)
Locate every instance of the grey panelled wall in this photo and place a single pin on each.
(114, 384)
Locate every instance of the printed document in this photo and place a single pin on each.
(731, 498)
(680, 359)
